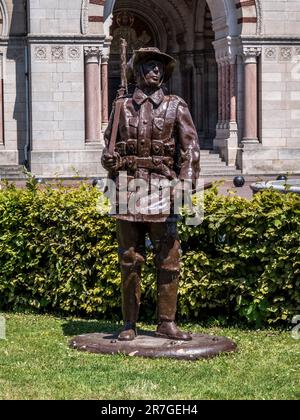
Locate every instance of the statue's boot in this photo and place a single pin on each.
(167, 288)
(128, 333)
(131, 296)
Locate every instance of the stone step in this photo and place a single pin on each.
(209, 162)
(208, 152)
(210, 159)
(220, 172)
(12, 172)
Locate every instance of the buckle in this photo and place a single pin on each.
(157, 161)
(131, 162)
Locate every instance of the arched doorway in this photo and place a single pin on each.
(138, 33)
(185, 34)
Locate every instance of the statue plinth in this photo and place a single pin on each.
(202, 346)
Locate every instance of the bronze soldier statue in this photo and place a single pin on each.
(155, 136)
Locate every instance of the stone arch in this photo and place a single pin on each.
(176, 19)
(4, 18)
(249, 16)
(224, 18)
(92, 16)
(230, 17)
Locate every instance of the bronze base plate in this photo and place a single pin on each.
(202, 346)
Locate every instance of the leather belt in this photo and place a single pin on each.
(151, 163)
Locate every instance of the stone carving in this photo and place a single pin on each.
(297, 51)
(251, 53)
(285, 54)
(57, 53)
(74, 53)
(92, 54)
(125, 30)
(40, 53)
(270, 54)
(92, 51)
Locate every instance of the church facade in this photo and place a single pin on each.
(238, 70)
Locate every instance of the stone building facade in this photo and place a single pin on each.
(238, 69)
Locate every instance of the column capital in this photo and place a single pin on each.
(104, 59)
(250, 54)
(92, 54)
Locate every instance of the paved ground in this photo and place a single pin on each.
(245, 191)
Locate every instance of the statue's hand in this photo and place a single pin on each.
(111, 162)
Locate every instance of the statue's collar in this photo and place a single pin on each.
(157, 97)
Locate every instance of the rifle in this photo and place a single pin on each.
(122, 92)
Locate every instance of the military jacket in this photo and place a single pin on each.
(156, 138)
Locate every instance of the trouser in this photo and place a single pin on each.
(165, 241)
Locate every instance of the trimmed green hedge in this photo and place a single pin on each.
(57, 253)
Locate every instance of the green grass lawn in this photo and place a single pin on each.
(36, 363)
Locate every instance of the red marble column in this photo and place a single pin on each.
(223, 90)
(92, 95)
(250, 95)
(227, 95)
(1, 113)
(219, 95)
(233, 94)
(104, 86)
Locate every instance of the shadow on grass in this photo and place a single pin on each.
(79, 327)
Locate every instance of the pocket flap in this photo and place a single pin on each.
(159, 123)
(134, 122)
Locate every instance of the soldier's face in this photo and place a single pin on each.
(153, 72)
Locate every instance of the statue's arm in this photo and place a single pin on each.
(189, 144)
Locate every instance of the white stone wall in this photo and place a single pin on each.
(57, 82)
(55, 16)
(280, 95)
(280, 113)
(58, 114)
(279, 92)
(281, 17)
(57, 85)
(279, 98)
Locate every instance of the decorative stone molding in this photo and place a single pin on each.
(297, 51)
(259, 14)
(270, 54)
(227, 49)
(285, 54)
(40, 53)
(84, 17)
(250, 54)
(57, 53)
(104, 59)
(92, 54)
(74, 53)
(5, 18)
